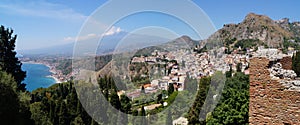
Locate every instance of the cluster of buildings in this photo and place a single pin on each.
(184, 63)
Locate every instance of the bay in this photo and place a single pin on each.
(37, 76)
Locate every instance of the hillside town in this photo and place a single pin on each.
(184, 63)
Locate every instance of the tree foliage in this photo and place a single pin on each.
(169, 118)
(194, 112)
(296, 63)
(8, 60)
(14, 105)
(58, 104)
(234, 104)
(170, 89)
(14, 102)
(9, 105)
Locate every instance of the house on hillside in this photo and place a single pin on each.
(180, 121)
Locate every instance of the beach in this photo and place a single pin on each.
(54, 73)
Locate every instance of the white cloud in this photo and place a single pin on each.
(41, 9)
(111, 31)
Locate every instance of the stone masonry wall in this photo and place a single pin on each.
(270, 102)
(286, 62)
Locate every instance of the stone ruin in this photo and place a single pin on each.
(277, 71)
(271, 101)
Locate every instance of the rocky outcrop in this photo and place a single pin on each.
(254, 26)
(270, 101)
(284, 23)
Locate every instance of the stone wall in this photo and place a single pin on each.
(270, 102)
(286, 62)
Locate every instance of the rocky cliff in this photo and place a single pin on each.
(259, 27)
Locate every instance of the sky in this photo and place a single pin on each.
(44, 23)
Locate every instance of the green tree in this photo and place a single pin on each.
(134, 113)
(77, 121)
(143, 114)
(239, 67)
(234, 104)
(9, 105)
(159, 99)
(14, 105)
(8, 80)
(143, 90)
(170, 89)
(125, 108)
(169, 120)
(194, 112)
(114, 100)
(63, 114)
(190, 84)
(296, 63)
(72, 101)
(8, 60)
(38, 115)
(229, 73)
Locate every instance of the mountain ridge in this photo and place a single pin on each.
(258, 28)
(255, 26)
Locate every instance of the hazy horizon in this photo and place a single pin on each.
(42, 24)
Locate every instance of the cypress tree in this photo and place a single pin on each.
(143, 118)
(169, 120)
(9, 103)
(143, 90)
(239, 67)
(170, 89)
(8, 60)
(114, 100)
(296, 63)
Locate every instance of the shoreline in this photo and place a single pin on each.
(51, 69)
(55, 79)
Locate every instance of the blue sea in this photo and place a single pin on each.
(37, 76)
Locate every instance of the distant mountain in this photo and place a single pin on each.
(117, 42)
(168, 45)
(187, 40)
(258, 28)
(65, 49)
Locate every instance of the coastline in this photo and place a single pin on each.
(55, 79)
(51, 69)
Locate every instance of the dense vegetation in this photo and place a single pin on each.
(58, 104)
(232, 107)
(248, 43)
(14, 102)
(234, 104)
(194, 112)
(296, 63)
(8, 61)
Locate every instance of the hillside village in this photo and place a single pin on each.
(160, 69)
(161, 62)
(197, 65)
